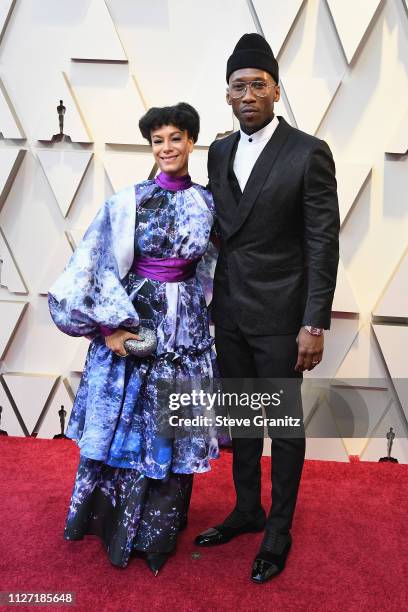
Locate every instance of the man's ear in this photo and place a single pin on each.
(228, 98)
(277, 94)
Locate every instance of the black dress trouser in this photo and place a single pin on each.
(247, 356)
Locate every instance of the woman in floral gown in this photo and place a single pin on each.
(137, 265)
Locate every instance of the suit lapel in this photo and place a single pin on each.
(233, 181)
(258, 175)
(228, 195)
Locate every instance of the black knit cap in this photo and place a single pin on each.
(252, 51)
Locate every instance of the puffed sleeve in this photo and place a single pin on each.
(89, 296)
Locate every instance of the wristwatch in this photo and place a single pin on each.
(315, 331)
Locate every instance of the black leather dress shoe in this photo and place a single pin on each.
(221, 534)
(271, 558)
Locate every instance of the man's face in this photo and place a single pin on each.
(252, 111)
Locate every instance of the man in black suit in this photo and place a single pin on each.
(275, 194)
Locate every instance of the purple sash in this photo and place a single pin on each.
(166, 270)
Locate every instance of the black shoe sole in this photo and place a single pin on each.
(210, 544)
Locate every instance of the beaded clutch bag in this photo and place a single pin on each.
(144, 347)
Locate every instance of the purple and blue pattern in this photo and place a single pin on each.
(114, 418)
(128, 511)
(133, 485)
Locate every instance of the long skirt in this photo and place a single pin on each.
(133, 484)
(127, 510)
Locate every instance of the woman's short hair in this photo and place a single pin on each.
(182, 115)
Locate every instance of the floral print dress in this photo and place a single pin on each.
(133, 485)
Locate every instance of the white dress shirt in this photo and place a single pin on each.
(248, 150)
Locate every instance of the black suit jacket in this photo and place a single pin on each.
(277, 264)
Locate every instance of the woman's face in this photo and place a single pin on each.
(171, 148)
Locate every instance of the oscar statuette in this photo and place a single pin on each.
(390, 435)
(2, 431)
(62, 414)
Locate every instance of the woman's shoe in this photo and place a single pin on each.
(155, 561)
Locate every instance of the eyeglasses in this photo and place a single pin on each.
(259, 89)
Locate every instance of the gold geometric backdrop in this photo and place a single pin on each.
(343, 67)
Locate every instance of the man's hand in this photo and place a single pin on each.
(115, 341)
(310, 350)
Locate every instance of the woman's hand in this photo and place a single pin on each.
(115, 341)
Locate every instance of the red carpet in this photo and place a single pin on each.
(350, 545)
